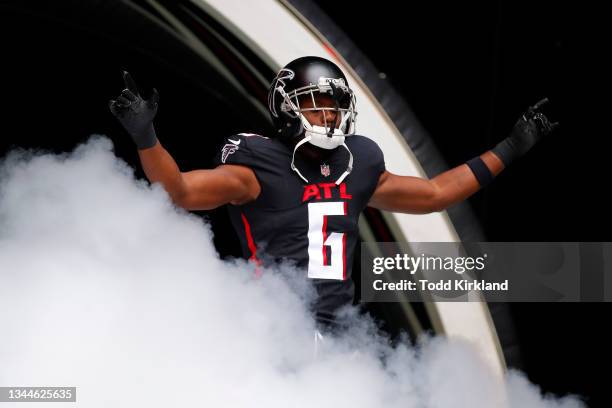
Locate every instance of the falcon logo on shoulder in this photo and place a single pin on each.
(229, 148)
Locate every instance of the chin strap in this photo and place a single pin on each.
(298, 144)
(306, 140)
(350, 165)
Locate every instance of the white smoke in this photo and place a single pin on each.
(106, 286)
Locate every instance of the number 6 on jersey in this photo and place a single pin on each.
(319, 267)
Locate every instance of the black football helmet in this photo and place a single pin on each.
(308, 77)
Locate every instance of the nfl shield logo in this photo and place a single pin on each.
(325, 170)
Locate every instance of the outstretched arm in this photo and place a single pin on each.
(199, 189)
(419, 196)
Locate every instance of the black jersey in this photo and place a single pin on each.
(314, 223)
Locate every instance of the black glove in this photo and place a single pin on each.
(529, 129)
(136, 114)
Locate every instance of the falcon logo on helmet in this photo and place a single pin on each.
(308, 77)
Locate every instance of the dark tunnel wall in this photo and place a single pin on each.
(67, 64)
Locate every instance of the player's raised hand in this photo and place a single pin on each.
(135, 113)
(544, 126)
(532, 126)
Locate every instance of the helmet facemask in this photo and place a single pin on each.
(333, 132)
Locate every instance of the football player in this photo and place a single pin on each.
(297, 194)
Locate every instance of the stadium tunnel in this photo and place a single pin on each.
(212, 62)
